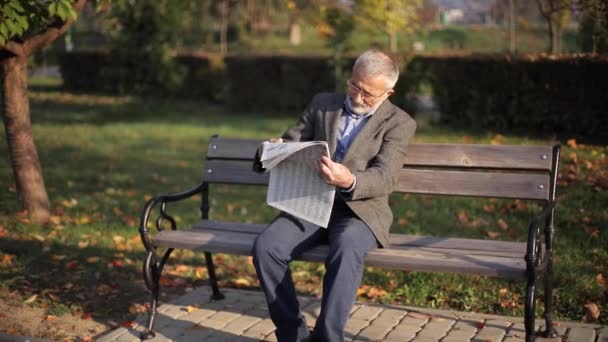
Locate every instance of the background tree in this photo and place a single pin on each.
(390, 16)
(26, 26)
(593, 31)
(557, 15)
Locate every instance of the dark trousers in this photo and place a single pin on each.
(349, 240)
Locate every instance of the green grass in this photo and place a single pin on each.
(473, 38)
(103, 156)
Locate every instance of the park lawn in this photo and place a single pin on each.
(104, 156)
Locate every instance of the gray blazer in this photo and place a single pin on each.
(375, 157)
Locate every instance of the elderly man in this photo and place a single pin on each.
(367, 137)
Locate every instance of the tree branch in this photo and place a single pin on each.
(12, 49)
(51, 33)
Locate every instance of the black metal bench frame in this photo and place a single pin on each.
(424, 171)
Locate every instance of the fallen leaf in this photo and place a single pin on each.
(71, 265)
(502, 224)
(86, 315)
(92, 260)
(242, 282)
(128, 324)
(489, 208)
(502, 292)
(190, 308)
(182, 268)
(592, 312)
(493, 235)
(137, 309)
(83, 244)
(462, 216)
(104, 289)
(600, 279)
(403, 221)
(49, 318)
(480, 325)
(572, 143)
(30, 300)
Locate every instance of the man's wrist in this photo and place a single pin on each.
(352, 186)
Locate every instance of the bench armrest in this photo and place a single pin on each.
(162, 199)
(536, 223)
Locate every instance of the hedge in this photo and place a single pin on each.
(542, 95)
(564, 97)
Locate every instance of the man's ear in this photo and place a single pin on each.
(390, 92)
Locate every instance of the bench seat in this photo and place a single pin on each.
(503, 259)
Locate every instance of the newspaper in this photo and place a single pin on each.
(295, 184)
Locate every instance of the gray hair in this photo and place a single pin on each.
(374, 62)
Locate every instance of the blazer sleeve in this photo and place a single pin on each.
(382, 173)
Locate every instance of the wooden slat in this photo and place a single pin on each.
(509, 157)
(410, 258)
(233, 172)
(220, 148)
(474, 183)
(507, 248)
(439, 182)
(480, 156)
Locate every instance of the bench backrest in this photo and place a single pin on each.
(502, 171)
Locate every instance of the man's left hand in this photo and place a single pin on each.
(335, 173)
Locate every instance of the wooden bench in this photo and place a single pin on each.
(515, 172)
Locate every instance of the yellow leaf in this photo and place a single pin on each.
(572, 143)
(39, 237)
(493, 235)
(118, 239)
(30, 300)
(190, 308)
(502, 292)
(600, 279)
(83, 244)
(92, 260)
(242, 282)
(593, 312)
(502, 224)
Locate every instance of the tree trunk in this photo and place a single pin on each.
(21, 147)
(512, 45)
(224, 27)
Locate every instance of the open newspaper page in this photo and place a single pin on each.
(295, 185)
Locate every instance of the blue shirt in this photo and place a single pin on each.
(348, 128)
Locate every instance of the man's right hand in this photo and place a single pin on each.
(278, 140)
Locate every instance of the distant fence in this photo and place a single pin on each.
(563, 96)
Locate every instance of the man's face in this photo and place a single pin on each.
(365, 91)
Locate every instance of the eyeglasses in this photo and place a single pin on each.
(364, 94)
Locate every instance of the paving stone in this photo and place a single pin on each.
(112, 335)
(374, 332)
(498, 324)
(581, 334)
(467, 325)
(460, 334)
(514, 339)
(367, 312)
(424, 339)
(198, 315)
(261, 329)
(239, 325)
(489, 334)
(602, 335)
(414, 321)
(402, 333)
(354, 326)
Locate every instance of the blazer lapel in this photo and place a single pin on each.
(375, 122)
(332, 119)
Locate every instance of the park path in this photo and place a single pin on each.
(243, 317)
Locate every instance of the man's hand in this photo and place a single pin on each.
(335, 173)
(279, 140)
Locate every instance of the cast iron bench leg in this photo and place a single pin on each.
(530, 308)
(217, 295)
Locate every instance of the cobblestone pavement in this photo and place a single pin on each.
(243, 317)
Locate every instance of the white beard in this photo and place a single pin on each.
(359, 109)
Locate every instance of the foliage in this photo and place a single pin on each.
(142, 32)
(526, 94)
(20, 19)
(593, 30)
(390, 16)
